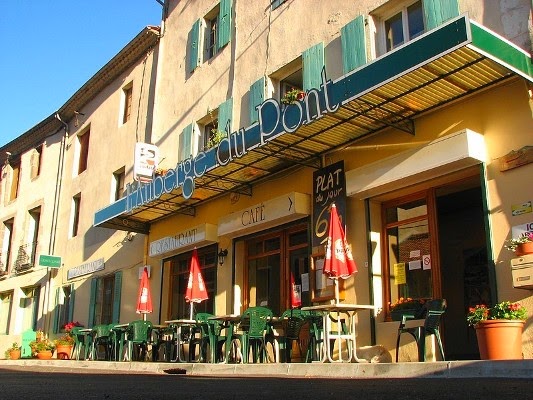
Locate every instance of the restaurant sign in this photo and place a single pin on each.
(85, 269)
(273, 121)
(181, 241)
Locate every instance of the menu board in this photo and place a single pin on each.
(323, 288)
(329, 186)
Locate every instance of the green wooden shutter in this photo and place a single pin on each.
(56, 311)
(225, 111)
(224, 23)
(438, 11)
(71, 304)
(257, 96)
(92, 301)
(186, 142)
(195, 45)
(116, 297)
(313, 62)
(353, 41)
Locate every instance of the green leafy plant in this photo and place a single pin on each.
(513, 243)
(292, 96)
(14, 347)
(504, 310)
(215, 137)
(41, 343)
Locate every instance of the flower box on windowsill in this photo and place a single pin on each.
(396, 315)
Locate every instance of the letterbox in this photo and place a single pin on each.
(522, 271)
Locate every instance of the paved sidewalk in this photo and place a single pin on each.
(441, 369)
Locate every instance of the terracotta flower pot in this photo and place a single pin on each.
(44, 355)
(63, 352)
(524, 248)
(14, 354)
(500, 339)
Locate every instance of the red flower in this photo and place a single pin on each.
(300, 96)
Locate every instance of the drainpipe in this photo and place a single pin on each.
(53, 227)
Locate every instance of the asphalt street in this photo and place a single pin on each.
(66, 383)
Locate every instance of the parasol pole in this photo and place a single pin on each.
(337, 296)
(191, 310)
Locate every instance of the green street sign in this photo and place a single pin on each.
(50, 261)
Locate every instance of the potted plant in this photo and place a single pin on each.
(498, 330)
(215, 138)
(292, 96)
(13, 353)
(65, 343)
(406, 306)
(521, 245)
(42, 347)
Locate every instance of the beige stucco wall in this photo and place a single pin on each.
(111, 148)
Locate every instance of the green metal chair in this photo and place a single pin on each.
(202, 337)
(433, 309)
(101, 338)
(138, 335)
(293, 320)
(254, 329)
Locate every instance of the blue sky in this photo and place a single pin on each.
(50, 48)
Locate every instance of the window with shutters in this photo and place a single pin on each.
(30, 306)
(6, 303)
(285, 79)
(15, 180)
(398, 22)
(75, 215)
(36, 160)
(103, 313)
(209, 34)
(64, 306)
(127, 100)
(117, 190)
(6, 257)
(33, 232)
(83, 151)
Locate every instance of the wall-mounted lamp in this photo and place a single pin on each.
(222, 256)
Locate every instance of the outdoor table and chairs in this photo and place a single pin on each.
(82, 342)
(182, 331)
(340, 325)
(225, 323)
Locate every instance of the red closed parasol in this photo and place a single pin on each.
(339, 261)
(196, 291)
(144, 298)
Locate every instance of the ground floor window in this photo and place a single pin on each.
(6, 304)
(277, 271)
(104, 307)
(64, 307)
(179, 276)
(408, 249)
(30, 305)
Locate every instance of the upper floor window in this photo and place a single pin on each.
(15, 180)
(36, 160)
(119, 178)
(75, 215)
(33, 232)
(127, 99)
(209, 34)
(83, 151)
(405, 25)
(7, 246)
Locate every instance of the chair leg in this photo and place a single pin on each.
(439, 342)
(398, 345)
